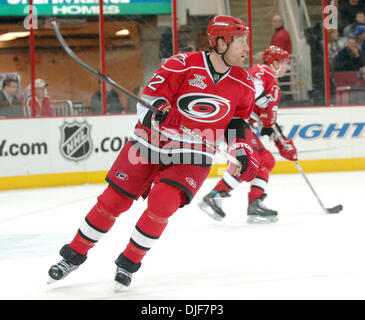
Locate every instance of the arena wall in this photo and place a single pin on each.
(47, 152)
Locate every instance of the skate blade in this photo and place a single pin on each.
(50, 280)
(261, 220)
(209, 211)
(118, 287)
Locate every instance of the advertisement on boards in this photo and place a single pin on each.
(61, 145)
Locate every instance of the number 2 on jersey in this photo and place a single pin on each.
(159, 80)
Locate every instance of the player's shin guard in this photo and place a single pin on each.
(100, 220)
(259, 184)
(163, 201)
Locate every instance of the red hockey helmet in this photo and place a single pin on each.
(273, 53)
(226, 27)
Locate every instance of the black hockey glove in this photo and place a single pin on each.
(161, 115)
(267, 131)
(170, 118)
(243, 160)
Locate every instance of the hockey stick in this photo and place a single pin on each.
(105, 78)
(335, 209)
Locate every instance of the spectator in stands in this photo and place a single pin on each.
(114, 106)
(43, 106)
(281, 37)
(8, 96)
(190, 46)
(335, 44)
(359, 33)
(350, 58)
(165, 50)
(347, 12)
(132, 105)
(315, 41)
(349, 30)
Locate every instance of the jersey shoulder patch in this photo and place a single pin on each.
(180, 58)
(183, 61)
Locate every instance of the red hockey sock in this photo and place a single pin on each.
(254, 194)
(99, 220)
(95, 225)
(163, 201)
(222, 186)
(148, 230)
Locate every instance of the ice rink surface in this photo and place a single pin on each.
(306, 255)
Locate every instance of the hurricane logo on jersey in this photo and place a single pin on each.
(203, 107)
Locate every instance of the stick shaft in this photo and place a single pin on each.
(131, 95)
(310, 186)
(93, 71)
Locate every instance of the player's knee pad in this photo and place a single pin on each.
(164, 199)
(113, 202)
(267, 160)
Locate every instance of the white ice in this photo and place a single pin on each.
(306, 255)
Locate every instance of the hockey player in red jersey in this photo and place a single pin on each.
(206, 92)
(264, 115)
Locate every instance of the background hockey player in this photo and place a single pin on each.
(265, 115)
(202, 91)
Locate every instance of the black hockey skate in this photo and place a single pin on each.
(123, 274)
(70, 262)
(212, 204)
(258, 213)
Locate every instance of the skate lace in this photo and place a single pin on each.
(120, 270)
(262, 205)
(64, 265)
(218, 200)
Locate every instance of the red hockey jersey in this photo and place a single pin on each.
(206, 101)
(268, 92)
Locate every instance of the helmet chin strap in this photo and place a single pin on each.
(222, 55)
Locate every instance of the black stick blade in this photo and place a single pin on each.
(335, 209)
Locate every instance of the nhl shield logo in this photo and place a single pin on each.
(76, 140)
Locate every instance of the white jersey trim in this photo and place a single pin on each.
(245, 84)
(208, 70)
(142, 110)
(173, 70)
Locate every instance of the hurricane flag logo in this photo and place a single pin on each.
(203, 107)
